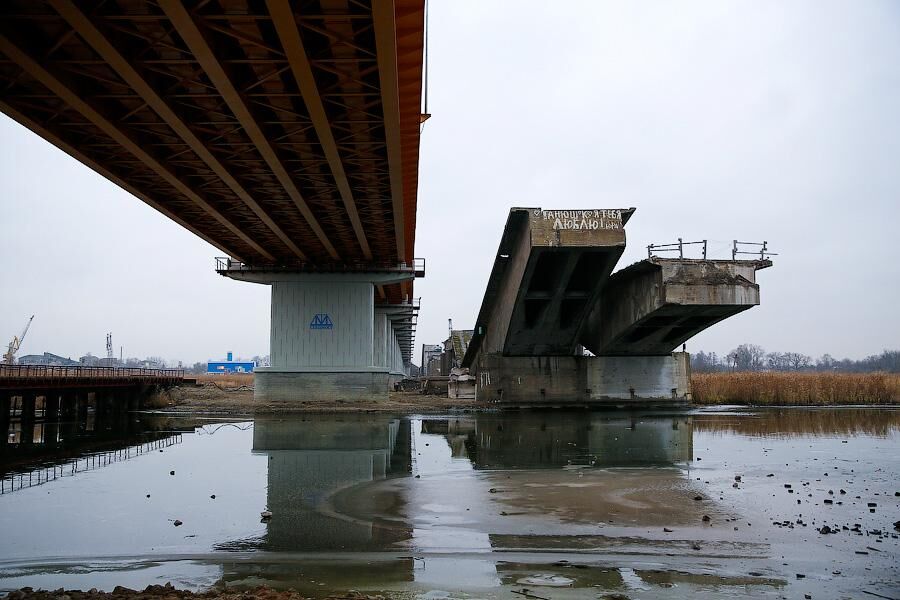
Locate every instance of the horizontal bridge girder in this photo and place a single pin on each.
(654, 306)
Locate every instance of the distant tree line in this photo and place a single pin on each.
(750, 357)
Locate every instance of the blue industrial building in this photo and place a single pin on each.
(229, 365)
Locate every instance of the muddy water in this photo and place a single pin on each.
(504, 505)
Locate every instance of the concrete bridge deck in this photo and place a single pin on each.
(652, 307)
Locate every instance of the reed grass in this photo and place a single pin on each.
(226, 380)
(795, 389)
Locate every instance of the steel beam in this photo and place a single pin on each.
(74, 100)
(286, 27)
(189, 32)
(71, 151)
(90, 34)
(386, 48)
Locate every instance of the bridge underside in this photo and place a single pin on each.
(551, 294)
(654, 306)
(283, 133)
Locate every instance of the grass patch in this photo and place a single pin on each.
(226, 380)
(795, 389)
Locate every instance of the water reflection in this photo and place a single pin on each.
(554, 439)
(791, 422)
(309, 460)
(380, 502)
(45, 443)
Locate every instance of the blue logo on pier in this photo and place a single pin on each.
(321, 321)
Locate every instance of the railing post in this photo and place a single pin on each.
(680, 249)
(734, 251)
(704, 249)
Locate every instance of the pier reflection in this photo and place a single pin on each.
(531, 440)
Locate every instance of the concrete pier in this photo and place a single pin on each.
(329, 340)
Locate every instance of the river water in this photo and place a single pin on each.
(700, 504)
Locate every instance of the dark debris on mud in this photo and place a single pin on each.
(170, 592)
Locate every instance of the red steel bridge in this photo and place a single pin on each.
(284, 133)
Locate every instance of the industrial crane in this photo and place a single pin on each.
(10, 357)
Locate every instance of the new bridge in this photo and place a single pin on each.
(284, 133)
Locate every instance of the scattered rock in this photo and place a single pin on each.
(737, 477)
(213, 496)
(825, 529)
(171, 472)
(771, 475)
(801, 576)
(266, 515)
(828, 501)
(698, 498)
(178, 523)
(706, 519)
(667, 530)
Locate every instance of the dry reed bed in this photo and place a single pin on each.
(799, 389)
(226, 380)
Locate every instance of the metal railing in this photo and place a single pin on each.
(676, 247)
(61, 372)
(763, 251)
(226, 265)
(737, 249)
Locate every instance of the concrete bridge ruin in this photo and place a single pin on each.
(552, 294)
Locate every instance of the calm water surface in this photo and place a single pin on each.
(700, 504)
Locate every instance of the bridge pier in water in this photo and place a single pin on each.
(329, 339)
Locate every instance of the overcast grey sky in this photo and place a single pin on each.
(716, 119)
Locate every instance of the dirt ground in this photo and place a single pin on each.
(209, 398)
(169, 592)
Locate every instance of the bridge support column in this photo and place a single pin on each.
(5, 404)
(328, 342)
(28, 417)
(620, 381)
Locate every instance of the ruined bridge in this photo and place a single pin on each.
(552, 294)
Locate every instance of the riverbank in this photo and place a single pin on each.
(218, 399)
(233, 394)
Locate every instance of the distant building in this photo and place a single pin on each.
(89, 360)
(431, 359)
(48, 359)
(455, 348)
(229, 365)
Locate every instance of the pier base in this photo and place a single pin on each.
(620, 381)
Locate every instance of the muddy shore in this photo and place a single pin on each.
(169, 592)
(215, 400)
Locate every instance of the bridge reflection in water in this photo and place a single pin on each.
(340, 484)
